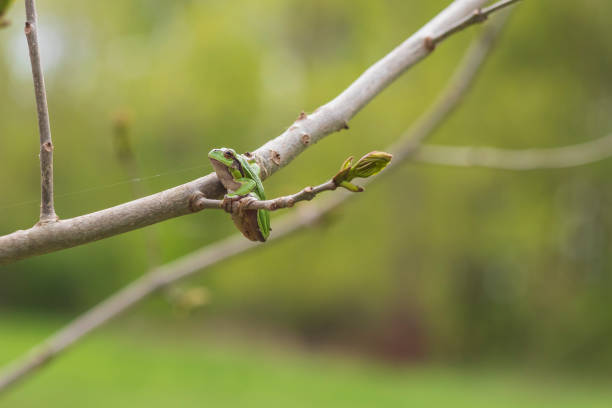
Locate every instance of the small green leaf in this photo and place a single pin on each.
(347, 163)
(351, 187)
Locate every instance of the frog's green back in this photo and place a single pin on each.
(252, 171)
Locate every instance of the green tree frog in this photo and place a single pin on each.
(240, 175)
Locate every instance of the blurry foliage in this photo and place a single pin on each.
(474, 262)
(139, 364)
(4, 8)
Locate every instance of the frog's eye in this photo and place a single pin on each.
(228, 155)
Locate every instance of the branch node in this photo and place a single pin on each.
(430, 44)
(479, 16)
(305, 139)
(195, 202)
(28, 28)
(276, 157)
(302, 116)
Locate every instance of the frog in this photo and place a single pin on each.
(241, 176)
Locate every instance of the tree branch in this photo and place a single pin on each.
(527, 159)
(47, 212)
(272, 156)
(210, 255)
(306, 194)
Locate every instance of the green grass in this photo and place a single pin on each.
(129, 367)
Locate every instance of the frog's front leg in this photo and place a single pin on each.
(246, 186)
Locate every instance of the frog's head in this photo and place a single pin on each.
(226, 166)
(223, 155)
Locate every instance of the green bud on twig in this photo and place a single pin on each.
(365, 167)
(371, 164)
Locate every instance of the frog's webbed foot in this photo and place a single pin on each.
(246, 200)
(228, 202)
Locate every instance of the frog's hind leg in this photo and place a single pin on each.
(263, 220)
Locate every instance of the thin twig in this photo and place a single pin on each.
(272, 156)
(235, 245)
(274, 204)
(527, 159)
(47, 212)
(478, 16)
(498, 6)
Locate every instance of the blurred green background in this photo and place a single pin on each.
(472, 281)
